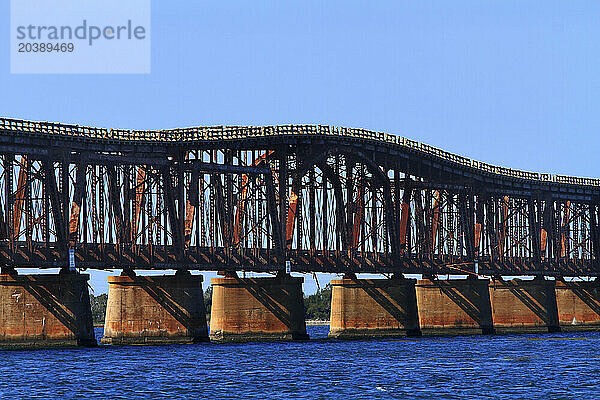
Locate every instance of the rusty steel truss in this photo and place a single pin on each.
(251, 198)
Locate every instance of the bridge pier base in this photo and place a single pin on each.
(257, 309)
(46, 310)
(578, 305)
(373, 308)
(520, 306)
(454, 307)
(155, 310)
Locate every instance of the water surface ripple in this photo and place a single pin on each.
(546, 366)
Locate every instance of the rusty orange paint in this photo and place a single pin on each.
(543, 241)
(74, 219)
(404, 215)
(237, 228)
(190, 211)
(436, 218)
(139, 199)
(403, 225)
(502, 233)
(563, 236)
(20, 196)
(477, 237)
(291, 219)
(291, 213)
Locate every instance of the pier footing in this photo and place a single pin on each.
(257, 309)
(520, 306)
(373, 308)
(155, 310)
(578, 305)
(45, 311)
(454, 307)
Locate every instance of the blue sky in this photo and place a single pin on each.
(514, 83)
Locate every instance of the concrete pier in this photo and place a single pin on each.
(454, 307)
(524, 306)
(578, 305)
(370, 308)
(155, 310)
(45, 311)
(254, 309)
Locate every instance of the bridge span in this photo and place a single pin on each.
(317, 198)
(326, 199)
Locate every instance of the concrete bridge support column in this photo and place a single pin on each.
(253, 309)
(155, 310)
(373, 308)
(45, 310)
(454, 306)
(578, 305)
(524, 306)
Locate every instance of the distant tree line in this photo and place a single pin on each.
(208, 301)
(98, 304)
(316, 306)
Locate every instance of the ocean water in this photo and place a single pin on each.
(545, 366)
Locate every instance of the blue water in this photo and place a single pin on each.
(548, 366)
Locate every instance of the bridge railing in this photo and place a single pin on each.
(241, 132)
(577, 181)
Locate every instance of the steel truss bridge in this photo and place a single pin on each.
(326, 199)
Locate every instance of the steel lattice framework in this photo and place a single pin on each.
(251, 198)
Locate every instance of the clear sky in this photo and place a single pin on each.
(514, 83)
